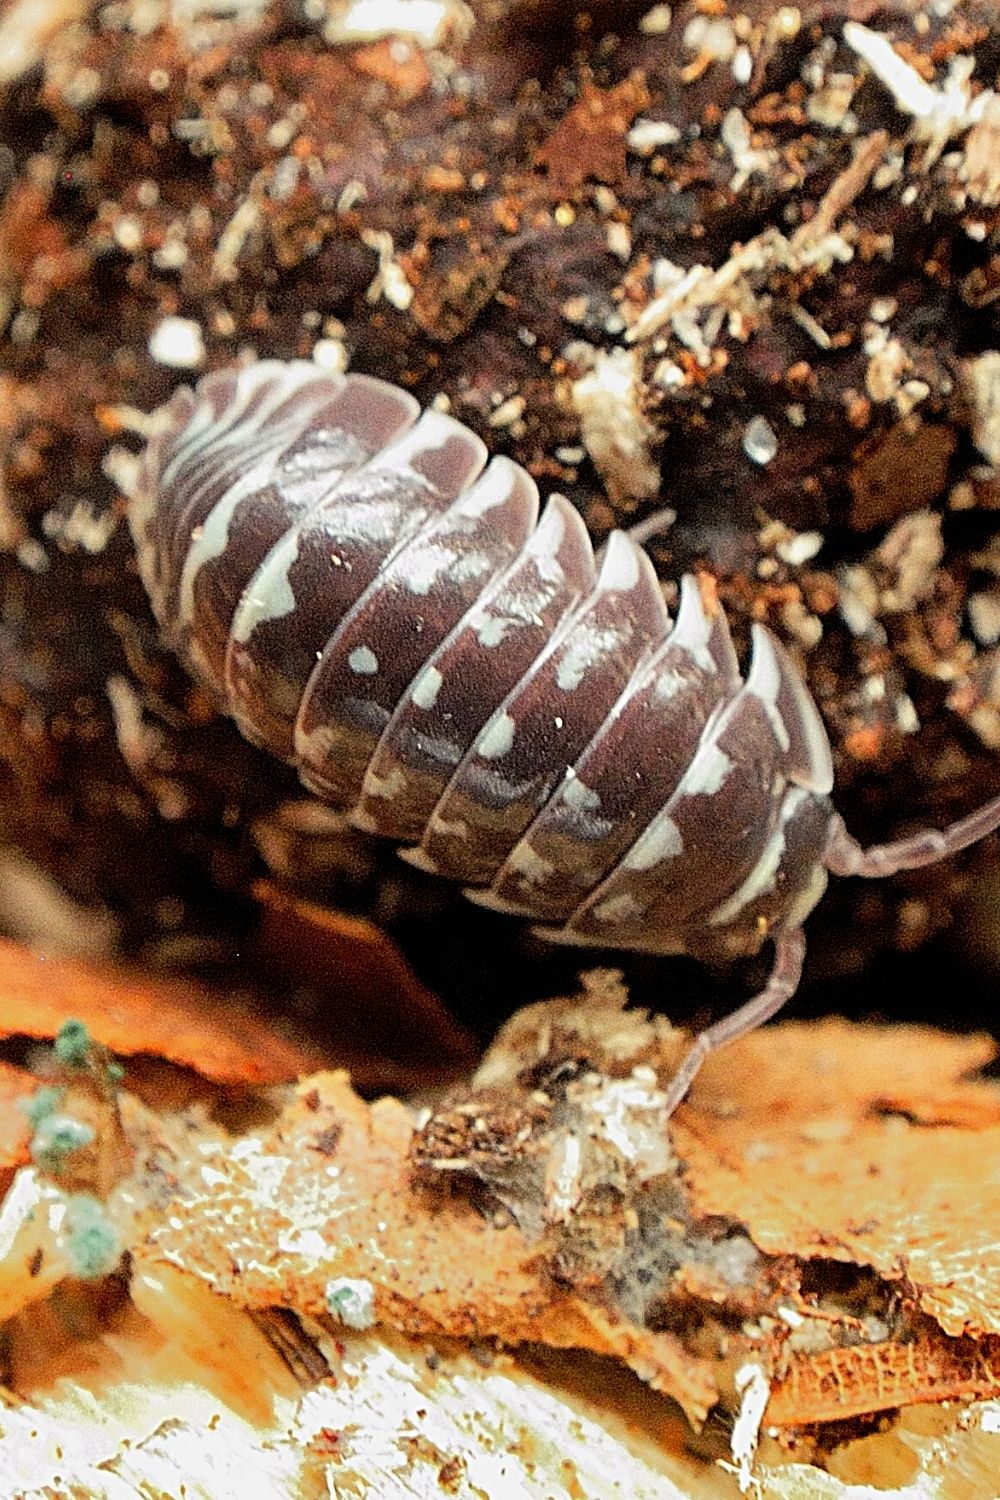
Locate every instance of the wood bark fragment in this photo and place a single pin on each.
(325, 1243)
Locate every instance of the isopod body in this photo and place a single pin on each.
(375, 603)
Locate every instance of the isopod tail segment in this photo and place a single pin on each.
(843, 856)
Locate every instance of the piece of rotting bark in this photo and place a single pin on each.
(542, 1243)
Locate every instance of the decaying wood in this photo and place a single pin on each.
(305, 1248)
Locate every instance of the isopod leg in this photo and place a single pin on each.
(789, 953)
(845, 856)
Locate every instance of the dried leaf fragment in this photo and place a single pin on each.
(590, 139)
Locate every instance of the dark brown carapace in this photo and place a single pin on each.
(373, 602)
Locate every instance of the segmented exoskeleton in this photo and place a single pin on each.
(373, 602)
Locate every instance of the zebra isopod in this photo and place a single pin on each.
(375, 603)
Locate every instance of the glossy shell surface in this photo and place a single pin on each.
(373, 602)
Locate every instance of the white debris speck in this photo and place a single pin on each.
(177, 342)
(82, 528)
(32, 556)
(128, 233)
(232, 240)
(284, 178)
(172, 254)
(754, 1392)
(907, 719)
(800, 548)
(351, 194)
(352, 1301)
(508, 412)
(759, 441)
(656, 22)
(363, 661)
(562, 1178)
(123, 468)
(747, 159)
(618, 238)
(628, 1112)
(615, 431)
(426, 22)
(742, 64)
(912, 552)
(785, 25)
(982, 386)
(858, 602)
(669, 375)
(330, 354)
(647, 135)
(888, 363)
(984, 617)
(389, 280)
(980, 168)
(711, 36)
(804, 318)
(938, 111)
(882, 309)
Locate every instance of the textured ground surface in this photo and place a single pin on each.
(740, 259)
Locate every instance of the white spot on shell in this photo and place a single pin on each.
(622, 563)
(497, 738)
(427, 687)
(525, 862)
(572, 669)
(584, 647)
(363, 661)
(491, 631)
(765, 681)
(384, 787)
(778, 724)
(494, 488)
(623, 908)
(668, 684)
(578, 795)
(708, 772)
(693, 629)
(662, 840)
(443, 828)
(269, 595)
(419, 859)
(421, 569)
